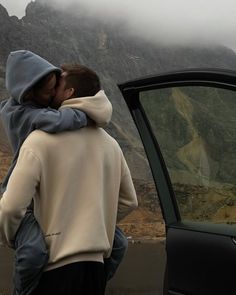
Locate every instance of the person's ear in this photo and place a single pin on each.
(70, 92)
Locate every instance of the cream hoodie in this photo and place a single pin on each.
(81, 186)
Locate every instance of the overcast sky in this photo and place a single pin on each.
(166, 21)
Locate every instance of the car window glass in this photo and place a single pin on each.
(195, 127)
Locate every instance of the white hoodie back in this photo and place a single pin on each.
(81, 186)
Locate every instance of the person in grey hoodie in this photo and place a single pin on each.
(31, 81)
(19, 116)
(26, 110)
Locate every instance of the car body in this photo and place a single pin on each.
(186, 120)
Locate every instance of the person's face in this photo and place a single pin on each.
(44, 96)
(62, 93)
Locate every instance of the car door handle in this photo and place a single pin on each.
(170, 292)
(234, 240)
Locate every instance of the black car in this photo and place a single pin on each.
(187, 123)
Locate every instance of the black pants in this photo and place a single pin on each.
(81, 278)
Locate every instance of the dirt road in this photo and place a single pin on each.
(141, 272)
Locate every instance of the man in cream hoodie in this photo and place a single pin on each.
(81, 187)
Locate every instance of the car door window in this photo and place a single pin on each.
(195, 128)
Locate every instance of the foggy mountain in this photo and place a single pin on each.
(113, 53)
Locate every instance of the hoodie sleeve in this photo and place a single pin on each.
(127, 195)
(54, 121)
(20, 120)
(22, 188)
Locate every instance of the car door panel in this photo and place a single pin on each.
(186, 121)
(206, 256)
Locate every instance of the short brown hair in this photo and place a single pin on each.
(84, 80)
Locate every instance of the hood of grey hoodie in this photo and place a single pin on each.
(23, 69)
(97, 107)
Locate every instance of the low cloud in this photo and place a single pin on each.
(15, 7)
(161, 21)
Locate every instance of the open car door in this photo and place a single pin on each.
(187, 123)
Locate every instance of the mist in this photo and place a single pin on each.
(167, 22)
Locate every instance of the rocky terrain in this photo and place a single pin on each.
(116, 56)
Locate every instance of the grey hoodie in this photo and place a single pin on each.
(24, 69)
